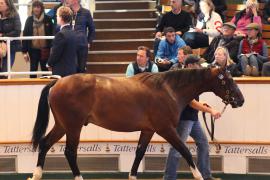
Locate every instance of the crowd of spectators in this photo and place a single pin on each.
(240, 38)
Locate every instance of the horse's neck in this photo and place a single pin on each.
(190, 90)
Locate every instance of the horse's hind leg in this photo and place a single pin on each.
(45, 144)
(172, 137)
(144, 140)
(72, 142)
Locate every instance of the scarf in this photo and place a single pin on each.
(39, 30)
(252, 41)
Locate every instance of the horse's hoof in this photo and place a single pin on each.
(37, 173)
(78, 178)
(132, 177)
(196, 173)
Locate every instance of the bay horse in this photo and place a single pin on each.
(150, 103)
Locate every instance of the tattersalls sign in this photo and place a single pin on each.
(153, 148)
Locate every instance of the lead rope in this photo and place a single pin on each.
(212, 132)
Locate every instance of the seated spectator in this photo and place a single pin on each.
(142, 63)
(222, 59)
(208, 26)
(266, 13)
(226, 39)
(183, 52)
(10, 27)
(177, 18)
(167, 49)
(37, 50)
(252, 51)
(245, 17)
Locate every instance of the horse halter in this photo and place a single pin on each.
(228, 97)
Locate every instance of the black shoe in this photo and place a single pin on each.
(3, 77)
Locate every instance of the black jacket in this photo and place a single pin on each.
(137, 70)
(63, 57)
(232, 44)
(28, 31)
(180, 22)
(11, 27)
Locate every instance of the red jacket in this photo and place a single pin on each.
(257, 47)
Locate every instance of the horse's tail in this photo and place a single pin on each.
(42, 118)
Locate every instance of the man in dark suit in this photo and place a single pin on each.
(63, 58)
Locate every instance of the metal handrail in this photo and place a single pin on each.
(8, 40)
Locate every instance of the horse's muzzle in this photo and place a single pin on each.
(237, 103)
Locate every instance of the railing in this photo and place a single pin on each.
(8, 41)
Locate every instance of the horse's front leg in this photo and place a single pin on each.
(170, 135)
(144, 140)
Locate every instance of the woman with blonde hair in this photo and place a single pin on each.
(222, 59)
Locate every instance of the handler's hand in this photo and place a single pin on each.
(26, 57)
(215, 114)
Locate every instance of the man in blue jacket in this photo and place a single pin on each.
(168, 48)
(83, 25)
(63, 58)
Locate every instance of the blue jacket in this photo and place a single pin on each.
(170, 51)
(63, 57)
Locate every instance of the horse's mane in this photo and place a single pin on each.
(177, 78)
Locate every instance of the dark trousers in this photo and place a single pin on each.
(4, 61)
(82, 56)
(196, 40)
(35, 59)
(156, 44)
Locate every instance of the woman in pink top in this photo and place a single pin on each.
(245, 17)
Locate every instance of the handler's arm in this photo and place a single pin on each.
(200, 107)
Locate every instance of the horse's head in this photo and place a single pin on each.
(225, 87)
